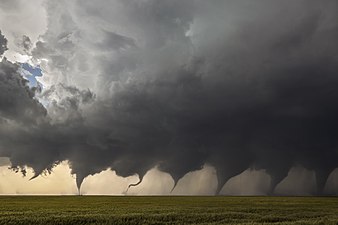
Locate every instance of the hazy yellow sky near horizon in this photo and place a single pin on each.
(202, 182)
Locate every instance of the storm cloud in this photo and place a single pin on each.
(3, 44)
(134, 85)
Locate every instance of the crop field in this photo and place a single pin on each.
(167, 210)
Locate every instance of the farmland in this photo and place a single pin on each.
(167, 210)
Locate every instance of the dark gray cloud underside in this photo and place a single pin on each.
(3, 44)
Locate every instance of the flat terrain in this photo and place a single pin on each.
(168, 210)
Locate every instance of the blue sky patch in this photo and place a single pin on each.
(30, 73)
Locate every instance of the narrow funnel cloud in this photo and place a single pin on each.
(176, 85)
(135, 184)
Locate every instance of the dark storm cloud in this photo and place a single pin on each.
(18, 108)
(258, 90)
(3, 44)
(17, 99)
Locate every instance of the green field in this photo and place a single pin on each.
(168, 210)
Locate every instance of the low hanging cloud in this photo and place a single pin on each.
(175, 85)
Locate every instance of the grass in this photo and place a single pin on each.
(167, 210)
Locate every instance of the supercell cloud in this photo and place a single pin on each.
(133, 85)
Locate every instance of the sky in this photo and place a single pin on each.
(147, 97)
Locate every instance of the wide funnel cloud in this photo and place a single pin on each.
(133, 85)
